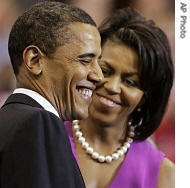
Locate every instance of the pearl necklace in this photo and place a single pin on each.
(95, 155)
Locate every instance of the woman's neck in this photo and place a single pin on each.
(103, 137)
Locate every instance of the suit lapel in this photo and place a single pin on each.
(22, 99)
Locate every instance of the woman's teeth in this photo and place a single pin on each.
(107, 101)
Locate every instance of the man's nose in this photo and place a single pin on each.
(95, 75)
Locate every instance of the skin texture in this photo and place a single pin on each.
(166, 175)
(105, 128)
(72, 66)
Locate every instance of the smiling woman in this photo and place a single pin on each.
(127, 107)
(119, 93)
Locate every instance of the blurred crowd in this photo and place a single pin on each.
(161, 11)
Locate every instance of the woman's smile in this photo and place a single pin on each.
(108, 101)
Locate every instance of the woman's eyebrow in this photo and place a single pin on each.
(131, 74)
(127, 73)
(107, 64)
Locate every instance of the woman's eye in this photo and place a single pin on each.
(130, 82)
(105, 71)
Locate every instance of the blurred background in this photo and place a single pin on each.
(161, 11)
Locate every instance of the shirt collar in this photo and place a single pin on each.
(38, 98)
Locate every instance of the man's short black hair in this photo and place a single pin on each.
(44, 25)
(155, 63)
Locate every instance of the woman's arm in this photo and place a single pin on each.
(167, 174)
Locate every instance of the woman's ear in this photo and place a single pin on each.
(32, 57)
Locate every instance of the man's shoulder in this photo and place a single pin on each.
(22, 112)
(15, 119)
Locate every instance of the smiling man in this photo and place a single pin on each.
(54, 50)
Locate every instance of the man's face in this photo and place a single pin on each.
(73, 71)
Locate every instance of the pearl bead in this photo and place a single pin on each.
(129, 140)
(78, 134)
(81, 139)
(115, 156)
(108, 159)
(89, 150)
(124, 149)
(85, 145)
(127, 144)
(75, 122)
(95, 155)
(101, 158)
(120, 152)
(76, 127)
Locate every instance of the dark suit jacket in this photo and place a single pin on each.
(34, 148)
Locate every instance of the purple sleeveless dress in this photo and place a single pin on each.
(140, 167)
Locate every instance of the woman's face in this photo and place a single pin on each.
(119, 92)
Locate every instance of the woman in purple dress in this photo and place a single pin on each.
(127, 107)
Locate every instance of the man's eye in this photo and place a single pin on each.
(86, 61)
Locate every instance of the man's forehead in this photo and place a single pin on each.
(85, 39)
(81, 30)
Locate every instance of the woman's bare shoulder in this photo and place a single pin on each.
(167, 174)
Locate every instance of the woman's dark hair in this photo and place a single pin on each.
(44, 25)
(155, 63)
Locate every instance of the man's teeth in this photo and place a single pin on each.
(85, 92)
(107, 101)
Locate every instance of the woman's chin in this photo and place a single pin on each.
(80, 113)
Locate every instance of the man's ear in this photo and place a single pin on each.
(32, 57)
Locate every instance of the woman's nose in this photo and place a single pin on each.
(113, 85)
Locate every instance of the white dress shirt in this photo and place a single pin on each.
(38, 98)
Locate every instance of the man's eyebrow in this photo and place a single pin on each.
(86, 55)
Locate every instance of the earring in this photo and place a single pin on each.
(139, 123)
(133, 127)
(131, 132)
(141, 119)
(129, 123)
(133, 124)
(138, 109)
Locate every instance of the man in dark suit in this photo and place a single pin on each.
(54, 50)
